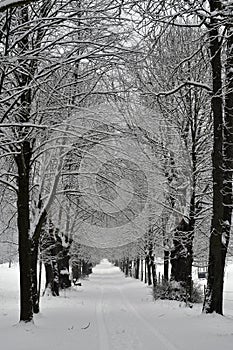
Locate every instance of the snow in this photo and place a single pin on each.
(111, 312)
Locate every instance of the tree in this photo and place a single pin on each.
(222, 161)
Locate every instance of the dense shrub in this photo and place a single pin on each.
(176, 291)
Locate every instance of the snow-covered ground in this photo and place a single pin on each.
(111, 312)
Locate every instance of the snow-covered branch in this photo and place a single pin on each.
(9, 185)
(179, 87)
(6, 4)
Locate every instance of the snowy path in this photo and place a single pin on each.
(120, 324)
(110, 312)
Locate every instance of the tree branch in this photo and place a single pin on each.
(6, 4)
(179, 87)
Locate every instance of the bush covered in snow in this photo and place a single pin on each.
(176, 291)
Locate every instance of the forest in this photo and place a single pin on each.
(116, 141)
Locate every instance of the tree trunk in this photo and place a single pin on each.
(166, 254)
(148, 265)
(48, 276)
(23, 221)
(166, 265)
(179, 252)
(145, 271)
(228, 146)
(153, 277)
(63, 261)
(23, 160)
(52, 277)
(214, 291)
(127, 267)
(142, 270)
(182, 256)
(34, 261)
(153, 272)
(76, 270)
(49, 254)
(136, 268)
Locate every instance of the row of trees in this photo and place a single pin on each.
(162, 73)
(205, 30)
(52, 57)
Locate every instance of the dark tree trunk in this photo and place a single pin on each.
(166, 254)
(136, 268)
(76, 270)
(166, 265)
(127, 267)
(23, 164)
(153, 272)
(179, 252)
(151, 269)
(48, 275)
(23, 160)
(182, 256)
(153, 276)
(228, 146)
(142, 270)
(214, 292)
(148, 265)
(145, 272)
(84, 268)
(121, 265)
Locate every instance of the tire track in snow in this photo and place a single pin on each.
(120, 322)
(101, 325)
(166, 343)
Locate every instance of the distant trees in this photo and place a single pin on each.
(82, 260)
